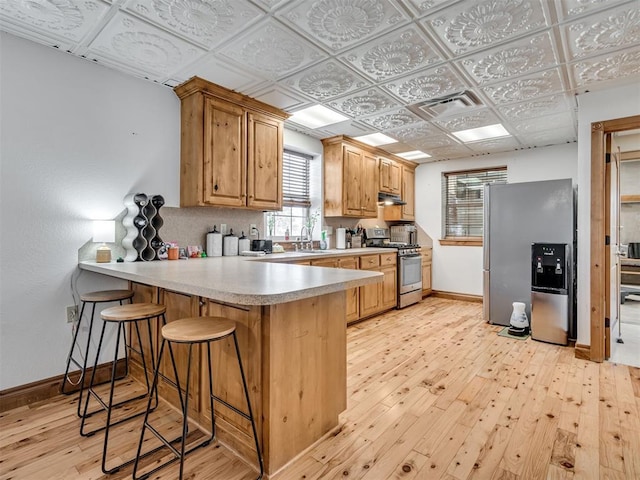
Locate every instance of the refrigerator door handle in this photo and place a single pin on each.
(485, 226)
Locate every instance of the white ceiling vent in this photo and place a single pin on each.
(447, 105)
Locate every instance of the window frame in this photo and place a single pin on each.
(465, 240)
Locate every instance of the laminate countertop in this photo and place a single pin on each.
(245, 280)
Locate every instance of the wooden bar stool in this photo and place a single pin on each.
(193, 331)
(103, 296)
(123, 316)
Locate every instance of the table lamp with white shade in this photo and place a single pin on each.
(104, 231)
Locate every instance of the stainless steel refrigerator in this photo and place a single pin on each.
(515, 216)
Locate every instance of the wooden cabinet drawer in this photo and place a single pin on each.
(348, 262)
(369, 261)
(388, 258)
(325, 262)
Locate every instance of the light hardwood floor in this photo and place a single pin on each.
(434, 392)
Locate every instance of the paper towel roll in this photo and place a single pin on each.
(341, 238)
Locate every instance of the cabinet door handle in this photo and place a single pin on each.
(215, 187)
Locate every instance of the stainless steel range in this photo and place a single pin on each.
(409, 265)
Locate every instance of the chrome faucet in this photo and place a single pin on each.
(304, 238)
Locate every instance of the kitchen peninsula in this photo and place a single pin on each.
(292, 336)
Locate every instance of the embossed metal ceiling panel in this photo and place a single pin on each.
(416, 70)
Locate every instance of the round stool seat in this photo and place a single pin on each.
(106, 296)
(133, 311)
(198, 329)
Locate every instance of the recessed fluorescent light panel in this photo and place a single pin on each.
(316, 117)
(413, 155)
(481, 133)
(376, 139)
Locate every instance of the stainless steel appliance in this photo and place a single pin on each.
(550, 280)
(515, 216)
(409, 265)
(404, 234)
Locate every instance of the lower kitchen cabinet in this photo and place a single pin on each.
(378, 297)
(426, 270)
(353, 294)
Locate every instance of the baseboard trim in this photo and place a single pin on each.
(50, 387)
(583, 351)
(465, 297)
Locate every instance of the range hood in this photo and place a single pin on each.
(389, 199)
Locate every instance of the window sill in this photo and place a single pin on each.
(461, 241)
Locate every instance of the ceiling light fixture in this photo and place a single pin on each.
(376, 139)
(481, 133)
(316, 117)
(413, 155)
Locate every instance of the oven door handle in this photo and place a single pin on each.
(411, 255)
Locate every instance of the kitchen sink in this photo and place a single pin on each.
(313, 251)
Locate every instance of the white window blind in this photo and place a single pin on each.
(462, 200)
(295, 179)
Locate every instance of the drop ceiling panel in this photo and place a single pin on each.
(392, 120)
(476, 119)
(326, 80)
(364, 103)
(340, 24)
(525, 88)
(601, 72)
(535, 108)
(427, 84)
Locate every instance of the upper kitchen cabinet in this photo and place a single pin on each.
(230, 148)
(350, 179)
(389, 177)
(406, 212)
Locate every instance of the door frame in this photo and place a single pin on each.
(599, 262)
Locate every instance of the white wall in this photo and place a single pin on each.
(594, 107)
(75, 139)
(459, 269)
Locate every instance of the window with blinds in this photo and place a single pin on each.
(287, 223)
(462, 200)
(295, 179)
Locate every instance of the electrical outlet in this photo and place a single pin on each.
(223, 228)
(72, 313)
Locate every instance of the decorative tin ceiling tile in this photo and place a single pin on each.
(396, 54)
(327, 80)
(467, 26)
(142, 46)
(494, 145)
(389, 121)
(598, 33)
(217, 70)
(205, 22)
(572, 8)
(340, 24)
(271, 50)
(432, 142)
(280, 97)
(415, 133)
(425, 7)
(61, 18)
(549, 137)
(535, 108)
(479, 118)
(426, 85)
(269, 4)
(548, 122)
(452, 151)
(362, 104)
(603, 69)
(526, 88)
(518, 58)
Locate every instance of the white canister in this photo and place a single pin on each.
(230, 245)
(341, 238)
(214, 243)
(244, 244)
